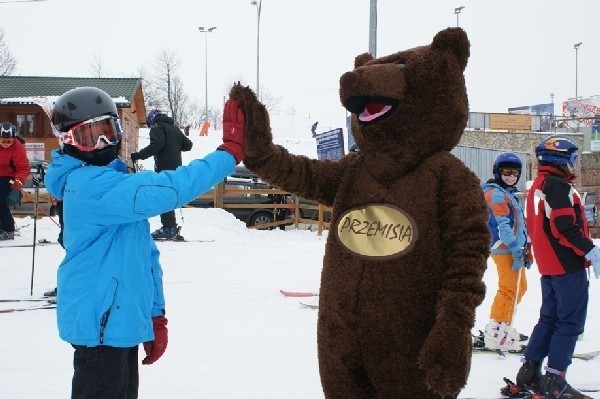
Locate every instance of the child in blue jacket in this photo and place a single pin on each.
(110, 292)
(508, 250)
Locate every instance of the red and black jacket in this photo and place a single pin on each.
(556, 223)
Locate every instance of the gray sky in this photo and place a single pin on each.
(522, 50)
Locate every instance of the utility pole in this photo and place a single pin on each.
(373, 29)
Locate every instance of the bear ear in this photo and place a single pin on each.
(362, 59)
(455, 41)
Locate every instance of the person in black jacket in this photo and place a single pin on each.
(167, 142)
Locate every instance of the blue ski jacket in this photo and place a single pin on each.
(506, 222)
(110, 281)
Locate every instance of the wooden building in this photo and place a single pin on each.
(17, 107)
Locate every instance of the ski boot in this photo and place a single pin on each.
(7, 235)
(165, 233)
(554, 385)
(501, 337)
(51, 292)
(178, 236)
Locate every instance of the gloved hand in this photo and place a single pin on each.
(155, 349)
(446, 356)
(134, 157)
(233, 130)
(14, 197)
(16, 184)
(518, 254)
(594, 257)
(518, 260)
(258, 141)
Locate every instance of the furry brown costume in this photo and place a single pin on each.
(404, 262)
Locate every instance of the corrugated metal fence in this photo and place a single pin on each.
(481, 160)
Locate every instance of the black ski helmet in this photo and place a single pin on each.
(80, 104)
(7, 130)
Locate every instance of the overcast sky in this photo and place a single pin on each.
(521, 50)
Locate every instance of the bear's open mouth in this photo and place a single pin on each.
(369, 109)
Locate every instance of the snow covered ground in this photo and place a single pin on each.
(231, 333)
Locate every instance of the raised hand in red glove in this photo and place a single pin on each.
(155, 349)
(233, 130)
(16, 184)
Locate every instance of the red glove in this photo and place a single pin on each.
(155, 349)
(233, 130)
(17, 184)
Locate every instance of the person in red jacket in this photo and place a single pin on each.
(563, 251)
(14, 170)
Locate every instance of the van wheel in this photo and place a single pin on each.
(260, 218)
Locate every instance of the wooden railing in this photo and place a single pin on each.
(220, 190)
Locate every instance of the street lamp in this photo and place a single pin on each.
(206, 32)
(258, 5)
(457, 11)
(552, 128)
(576, 47)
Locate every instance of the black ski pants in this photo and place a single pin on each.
(7, 222)
(105, 372)
(168, 220)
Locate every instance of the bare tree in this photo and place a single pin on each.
(169, 87)
(97, 66)
(8, 63)
(271, 103)
(151, 95)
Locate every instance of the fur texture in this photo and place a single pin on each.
(405, 257)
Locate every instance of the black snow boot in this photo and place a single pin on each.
(554, 385)
(529, 374)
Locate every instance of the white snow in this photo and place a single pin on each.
(231, 333)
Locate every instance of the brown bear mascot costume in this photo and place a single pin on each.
(405, 257)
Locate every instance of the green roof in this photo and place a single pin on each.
(30, 86)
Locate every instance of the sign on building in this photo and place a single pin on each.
(510, 122)
(35, 151)
(330, 145)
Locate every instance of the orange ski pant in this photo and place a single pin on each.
(503, 307)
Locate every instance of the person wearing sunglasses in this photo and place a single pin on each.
(14, 170)
(563, 251)
(167, 142)
(110, 293)
(508, 251)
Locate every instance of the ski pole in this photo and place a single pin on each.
(514, 312)
(35, 216)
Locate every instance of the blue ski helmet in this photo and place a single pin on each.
(558, 150)
(151, 119)
(506, 160)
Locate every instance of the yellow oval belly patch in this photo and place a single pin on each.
(378, 231)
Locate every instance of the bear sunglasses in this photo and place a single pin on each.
(86, 135)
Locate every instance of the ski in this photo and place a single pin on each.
(309, 305)
(298, 294)
(499, 352)
(37, 307)
(503, 353)
(39, 244)
(24, 300)
(184, 240)
(587, 355)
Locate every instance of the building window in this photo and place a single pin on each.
(26, 125)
